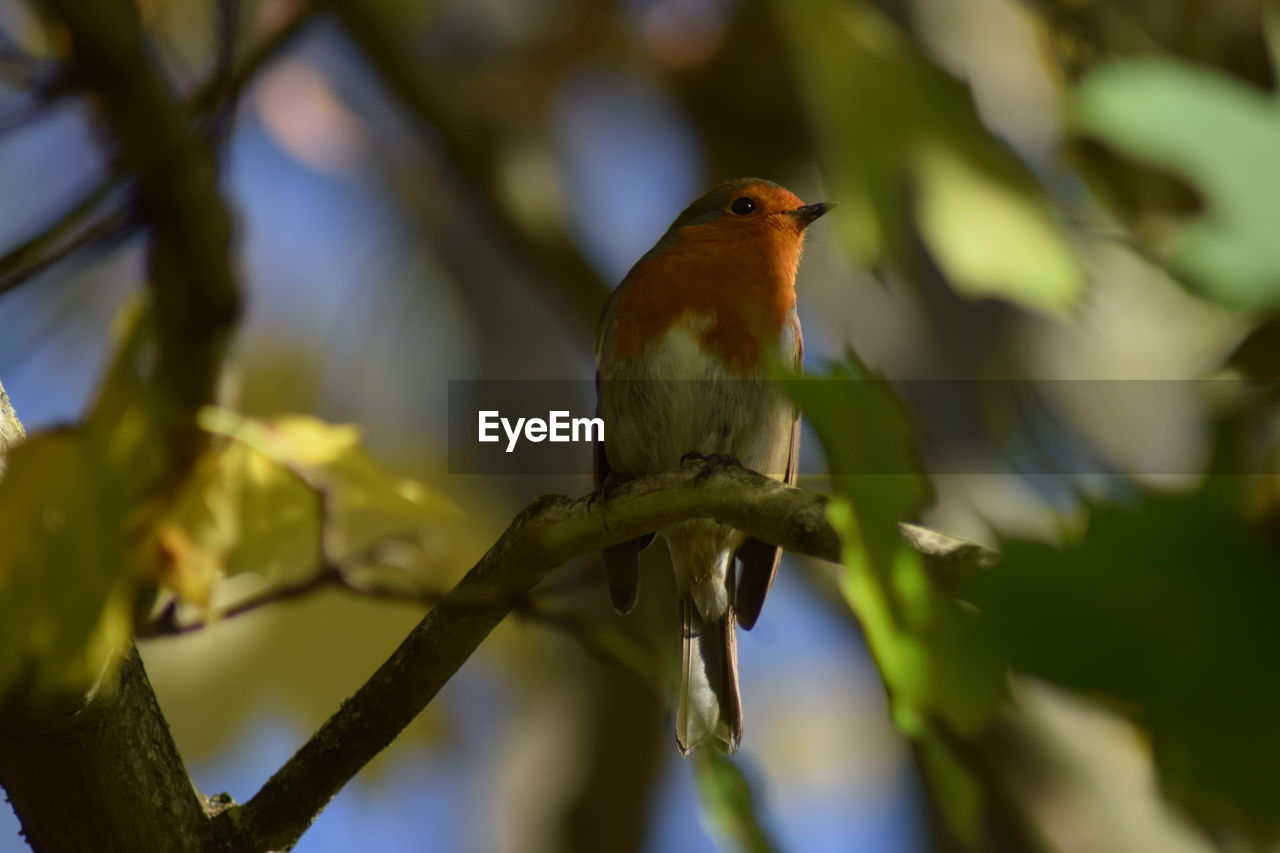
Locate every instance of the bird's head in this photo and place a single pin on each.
(730, 260)
(747, 210)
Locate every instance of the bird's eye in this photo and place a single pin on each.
(742, 206)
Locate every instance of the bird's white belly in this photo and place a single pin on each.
(677, 399)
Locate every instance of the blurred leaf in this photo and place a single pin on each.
(287, 439)
(187, 568)
(932, 653)
(242, 511)
(1257, 356)
(375, 503)
(370, 502)
(868, 440)
(958, 793)
(258, 500)
(68, 504)
(1230, 36)
(64, 563)
(1222, 136)
(891, 122)
(990, 230)
(729, 804)
(1164, 608)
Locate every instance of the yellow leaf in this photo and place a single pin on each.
(256, 505)
(64, 562)
(311, 442)
(186, 568)
(297, 440)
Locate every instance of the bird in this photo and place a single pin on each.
(682, 351)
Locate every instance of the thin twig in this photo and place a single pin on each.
(36, 254)
(218, 122)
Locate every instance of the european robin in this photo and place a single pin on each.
(681, 356)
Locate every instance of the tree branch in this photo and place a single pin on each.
(192, 285)
(548, 532)
(100, 771)
(106, 753)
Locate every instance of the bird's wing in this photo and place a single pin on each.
(759, 559)
(621, 561)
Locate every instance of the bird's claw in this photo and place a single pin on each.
(602, 493)
(711, 463)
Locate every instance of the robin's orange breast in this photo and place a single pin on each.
(746, 287)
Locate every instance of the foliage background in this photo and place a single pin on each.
(452, 196)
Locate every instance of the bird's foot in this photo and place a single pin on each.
(711, 463)
(603, 491)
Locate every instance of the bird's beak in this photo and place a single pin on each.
(808, 213)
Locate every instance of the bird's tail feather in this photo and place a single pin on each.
(710, 703)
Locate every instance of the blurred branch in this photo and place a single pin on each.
(85, 223)
(340, 576)
(96, 768)
(192, 285)
(373, 27)
(17, 64)
(221, 93)
(547, 533)
(167, 624)
(51, 243)
(39, 98)
(220, 80)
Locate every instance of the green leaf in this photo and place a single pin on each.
(934, 655)
(892, 125)
(729, 805)
(1223, 138)
(868, 440)
(1164, 609)
(958, 793)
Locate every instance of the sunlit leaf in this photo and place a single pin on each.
(267, 491)
(1222, 137)
(70, 503)
(729, 805)
(64, 563)
(185, 567)
(244, 511)
(991, 233)
(893, 126)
